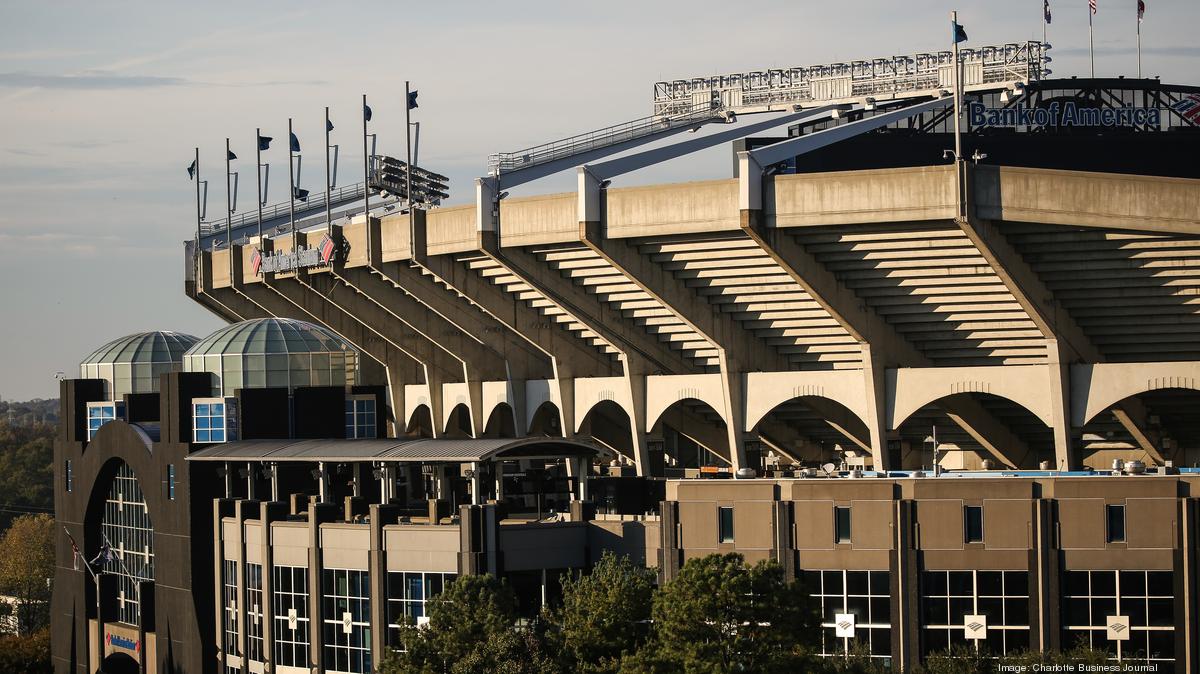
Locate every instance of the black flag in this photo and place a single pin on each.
(328, 125)
(192, 170)
(300, 194)
(367, 112)
(295, 143)
(412, 100)
(264, 142)
(230, 155)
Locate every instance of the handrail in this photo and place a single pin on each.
(315, 201)
(610, 135)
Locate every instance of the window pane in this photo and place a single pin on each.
(842, 524)
(1116, 523)
(725, 525)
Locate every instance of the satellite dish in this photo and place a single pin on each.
(829, 468)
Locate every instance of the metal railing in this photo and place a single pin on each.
(315, 202)
(592, 140)
(896, 76)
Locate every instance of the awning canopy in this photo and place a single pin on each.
(396, 450)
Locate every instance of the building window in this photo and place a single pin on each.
(290, 590)
(953, 601)
(841, 524)
(360, 417)
(1115, 516)
(254, 612)
(208, 421)
(1143, 600)
(102, 413)
(973, 524)
(725, 524)
(866, 596)
(230, 604)
(127, 530)
(68, 476)
(408, 593)
(171, 481)
(346, 621)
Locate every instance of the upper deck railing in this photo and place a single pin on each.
(896, 77)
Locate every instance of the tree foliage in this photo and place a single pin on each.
(26, 654)
(471, 629)
(604, 615)
(26, 466)
(720, 615)
(26, 568)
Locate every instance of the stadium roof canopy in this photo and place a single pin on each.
(392, 450)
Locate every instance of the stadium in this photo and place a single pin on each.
(947, 377)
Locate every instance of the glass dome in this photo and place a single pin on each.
(133, 363)
(273, 352)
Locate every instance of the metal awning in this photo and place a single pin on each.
(396, 450)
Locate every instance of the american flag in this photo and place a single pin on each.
(256, 261)
(74, 549)
(326, 247)
(1092, 5)
(1188, 108)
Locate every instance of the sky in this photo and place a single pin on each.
(102, 105)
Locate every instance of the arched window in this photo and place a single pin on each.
(127, 529)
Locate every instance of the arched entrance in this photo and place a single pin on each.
(812, 430)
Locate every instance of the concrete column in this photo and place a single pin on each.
(317, 513)
(905, 570)
(878, 392)
(477, 483)
(733, 389)
(487, 213)
(1058, 371)
(636, 381)
(784, 552)
(1186, 638)
(268, 513)
(1044, 581)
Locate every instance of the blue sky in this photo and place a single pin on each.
(102, 103)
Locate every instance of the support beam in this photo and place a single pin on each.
(1135, 429)
(969, 415)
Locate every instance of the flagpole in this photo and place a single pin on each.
(408, 152)
(258, 180)
(197, 201)
(366, 177)
(1139, 43)
(1091, 43)
(328, 215)
(228, 211)
(957, 93)
(291, 187)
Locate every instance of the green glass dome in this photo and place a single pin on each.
(133, 363)
(273, 352)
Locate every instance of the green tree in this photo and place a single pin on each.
(604, 615)
(26, 468)
(26, 568)
(720, 615)
(472, 628)
(28, 654)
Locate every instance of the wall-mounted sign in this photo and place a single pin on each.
(1118, 628)
(292, 618)
(118, 641)
(323, 254)
(843, 625)
(1058, 113)
(975, 627)
(347, 622)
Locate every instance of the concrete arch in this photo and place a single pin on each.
(501, 423)
(767, 390)
(593, 391)
(507, 394)
(617, 435)
(458, 422)
(663, 391)
(545, 420)
(420, 422)
(910, 389)
(840, 425)
(1097, 387)
(417, 396)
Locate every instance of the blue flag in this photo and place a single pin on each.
(264, 142)
(192, 170)
(295, 142)
(230, 155)
(412, 100)
(367, 112)
(960, 33)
